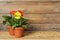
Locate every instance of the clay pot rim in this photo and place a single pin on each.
(9, 27)
(19, 28)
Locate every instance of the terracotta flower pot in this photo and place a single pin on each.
(19, 31)
(10, 30)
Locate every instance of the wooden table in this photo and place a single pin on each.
(34, 35)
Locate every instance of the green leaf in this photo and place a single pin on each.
(6, 18)
(4, 22)
(25, 26)
(13, 26)
(15, 22)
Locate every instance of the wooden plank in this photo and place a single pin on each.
(40, 18)
(19, 0)
(30, 7)
(31, 0)
(43, 18)
(37, 27)
(32, 35)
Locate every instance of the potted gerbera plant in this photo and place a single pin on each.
(16, 23)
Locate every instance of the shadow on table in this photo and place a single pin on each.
(29, 33)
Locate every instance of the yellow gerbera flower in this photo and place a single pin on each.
(17, 15)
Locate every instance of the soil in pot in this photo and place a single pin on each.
(10, 30)
(19, 31)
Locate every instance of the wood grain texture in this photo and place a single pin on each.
(31, 0)
(32, 35)
(30, 7)
(39, 18)
(42, 14)
(37, 27)
(45, 27)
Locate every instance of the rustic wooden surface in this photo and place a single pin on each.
(42, 14)
(29, 0)
(30, 7)
(37, 35)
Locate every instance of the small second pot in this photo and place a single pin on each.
(19, 31)
(10, 30)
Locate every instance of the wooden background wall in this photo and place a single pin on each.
(42, 14)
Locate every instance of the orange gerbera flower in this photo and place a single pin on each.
(13, 12)
(20, 12)
(17, 14)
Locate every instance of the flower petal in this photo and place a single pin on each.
(21, 12)
(13, 12)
